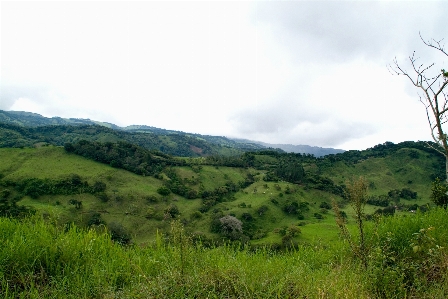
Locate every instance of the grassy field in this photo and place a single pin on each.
(39, 260)
(133, 201)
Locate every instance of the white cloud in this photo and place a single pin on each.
(285, 72)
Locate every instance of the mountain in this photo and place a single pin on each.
(303, 149)
(24, 129)
(168, 141)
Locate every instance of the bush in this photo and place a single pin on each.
(247, 217)
(231, 227)
(196, 215)
(439, 193)
(262, 210)
(98, 186)
(164, 191)
(95, 219)
(102, 196)
(76, 203)
(318, 216)
(119, 234)
(172, 211)
(325, 205)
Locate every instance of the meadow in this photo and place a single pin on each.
(40, 260)
(99, 231)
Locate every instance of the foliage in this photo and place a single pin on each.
(9, 207)
(71, 184)
(39, 260)
(172, 211)
(357, 196)
(123, 155)
(231, 227)
(439, 193)
(118, 233)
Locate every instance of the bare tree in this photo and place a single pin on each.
(433, 96)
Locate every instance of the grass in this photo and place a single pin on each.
(129, 205)
(40, 260)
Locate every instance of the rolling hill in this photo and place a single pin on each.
(267, 191)
(43, 129)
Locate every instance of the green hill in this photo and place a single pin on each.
(172, 142)
(267, 191)
(19, 129)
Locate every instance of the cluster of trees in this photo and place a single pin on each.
(314, 181)
(9, 207)
(222, 193)
(72, 184)
(175, 144)
(294, 207)
(382, 150)
(384, 200)
(124, 155)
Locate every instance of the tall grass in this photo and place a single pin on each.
(40, 260)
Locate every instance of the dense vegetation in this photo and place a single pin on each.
(168, 141)
(252, 224)
(406, 261)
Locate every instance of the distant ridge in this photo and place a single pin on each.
(304, 149)
(30, 119)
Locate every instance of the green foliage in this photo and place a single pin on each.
(164, 191)
(357, 196)
(119, 233)
(439, 193)
(9, 207)
(39, 260)
(231, 227)
(95, 219)
(172, 211)
(76, 203)
(262, 210)
(71, 184)
(406, 254)
(325, 205)
(380, 201)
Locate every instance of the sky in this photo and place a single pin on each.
(291, 72)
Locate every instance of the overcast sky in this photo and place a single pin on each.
(296, 72)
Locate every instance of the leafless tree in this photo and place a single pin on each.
(431, 83)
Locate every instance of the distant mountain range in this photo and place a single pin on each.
(197, 144)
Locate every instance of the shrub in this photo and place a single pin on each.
(231, 227)
(262, 210)
(152, 198)
(439, 193)
(196, 215)
(119, 234)
(102, 196)
(247, 217)
(325, 205)
(318, 216)
(76, 203)
(388, 211)
(164, 191)
(172, 211)
(95, 219)
(99, 186)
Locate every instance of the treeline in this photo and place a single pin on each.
(124, 155)
(72, 184)
(383, 150)
(173, 144)
(9, 207)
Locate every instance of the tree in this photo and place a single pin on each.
(433, 96)
(231, 227)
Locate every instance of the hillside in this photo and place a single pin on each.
(267, 191)
(168, 141)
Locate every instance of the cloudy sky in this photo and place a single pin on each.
(297, 72)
